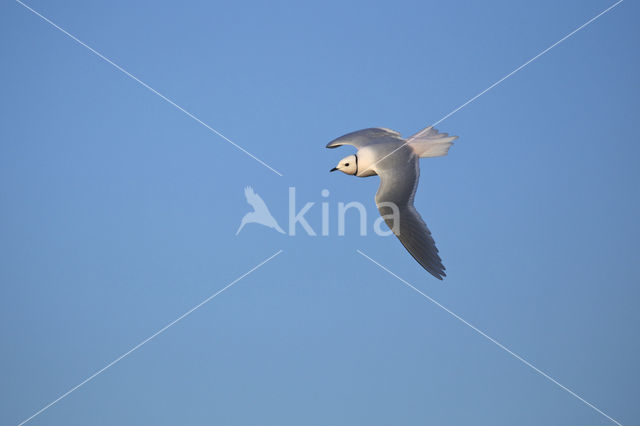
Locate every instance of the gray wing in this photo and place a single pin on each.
(399, 176)
(366, 137)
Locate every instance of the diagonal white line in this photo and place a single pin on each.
(499, 81)
(491, 339)
(154, 335)
(128, 74)
(528, 62)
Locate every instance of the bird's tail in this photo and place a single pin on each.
(277, 227)
(429, 143)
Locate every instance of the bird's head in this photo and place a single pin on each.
(348, 165)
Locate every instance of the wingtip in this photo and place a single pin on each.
(437, 274)
(437, 271)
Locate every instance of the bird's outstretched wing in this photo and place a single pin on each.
(398, 183)
(366, 137)
(255, 200)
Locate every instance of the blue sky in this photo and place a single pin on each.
(119, 213)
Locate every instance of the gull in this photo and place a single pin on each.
(385, 153)
(260, 213)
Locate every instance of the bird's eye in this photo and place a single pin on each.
(346, 164)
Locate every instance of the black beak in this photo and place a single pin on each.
(333, 170)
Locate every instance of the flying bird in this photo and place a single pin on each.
(385, 153)
(260, 213)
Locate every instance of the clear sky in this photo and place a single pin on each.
(119, 212)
